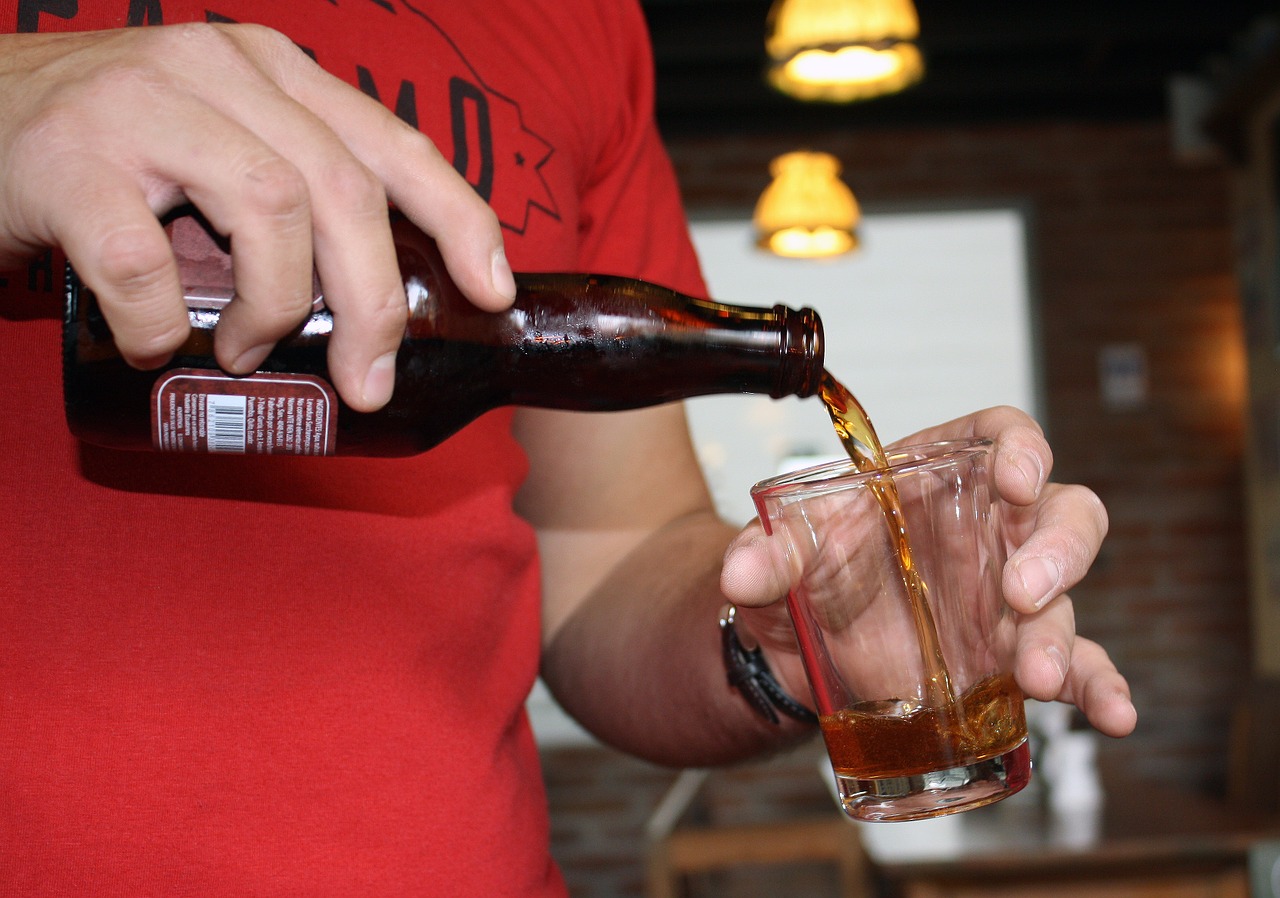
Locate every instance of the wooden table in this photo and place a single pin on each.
(1145, 841)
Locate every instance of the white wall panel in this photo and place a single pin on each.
(930, 320)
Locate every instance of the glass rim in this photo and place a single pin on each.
(844, 473)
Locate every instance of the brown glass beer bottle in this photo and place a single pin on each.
(571, 341)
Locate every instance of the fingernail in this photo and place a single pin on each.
(504, 282)
(1032, 471)
(1039, 576)
(250, 359)
(380, 381)
(1058, 660)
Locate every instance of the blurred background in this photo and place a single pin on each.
(1073, 208)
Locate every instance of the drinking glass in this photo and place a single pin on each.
(906, 639)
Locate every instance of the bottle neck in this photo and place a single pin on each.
(678, 345)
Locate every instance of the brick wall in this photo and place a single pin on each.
(1128, 247)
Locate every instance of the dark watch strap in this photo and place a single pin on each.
(749, 673)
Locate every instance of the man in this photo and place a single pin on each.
(293, 676)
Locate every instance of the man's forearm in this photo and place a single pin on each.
(639, 661)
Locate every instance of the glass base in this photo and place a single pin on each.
(938, 792)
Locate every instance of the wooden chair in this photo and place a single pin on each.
(676, 852)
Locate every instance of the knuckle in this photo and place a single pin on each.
(260, 317)
(1082, 541)
(353, 187)
(134, 260)
(267, 43)
(1030, 424)
(391, 316)
(489, 218)
(420, 154)
(279, 316)
(1079, 548)
(183, 37)
(133, 80)
(412, 145)
(272, 185)
(147, 66)
(1025, 432)
(1091, 500)
(246, 49)
(156, 336)
(163, 54)
(53, 130)
(201, 41)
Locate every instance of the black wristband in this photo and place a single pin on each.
(749, 673)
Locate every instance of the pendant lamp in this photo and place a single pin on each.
(842, 50)
(806, 211)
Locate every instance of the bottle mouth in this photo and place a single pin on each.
(803, 351)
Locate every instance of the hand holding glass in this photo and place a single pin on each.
(905, 635)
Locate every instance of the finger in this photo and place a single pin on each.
(463, 226)
(1054, 664)
(124, 257)
(1043, 654)
(118, 248)
(63, 188)
(1069, 527)
(1023, 461)
(260, 200)
(1099, 690)
(755, 571)
(422, 184)
(1023, 458)
(349, 227)
(248, 192)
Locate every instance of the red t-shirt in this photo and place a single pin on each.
(272, 676)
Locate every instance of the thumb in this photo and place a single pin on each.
(756, 571)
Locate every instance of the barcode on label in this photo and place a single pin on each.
(227, 422)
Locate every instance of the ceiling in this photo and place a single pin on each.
(986, 61)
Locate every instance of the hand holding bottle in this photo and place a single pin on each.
(102, 132)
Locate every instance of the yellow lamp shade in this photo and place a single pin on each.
(806, 211)
(842, 50)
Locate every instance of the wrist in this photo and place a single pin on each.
(750, 674)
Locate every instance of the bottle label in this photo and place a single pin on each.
(196, 410)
